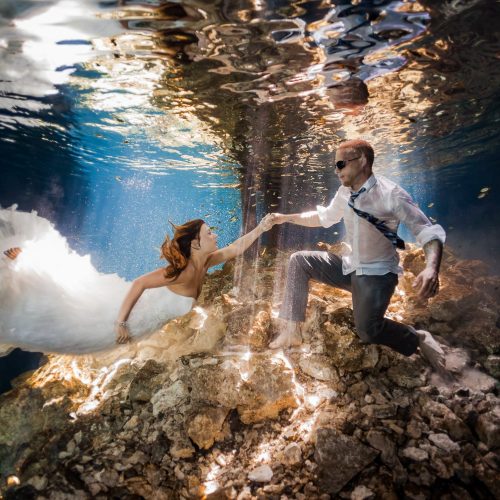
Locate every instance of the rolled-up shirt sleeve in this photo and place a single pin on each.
(333, 213)
(408, 212)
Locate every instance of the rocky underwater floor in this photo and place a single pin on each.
(202, 409)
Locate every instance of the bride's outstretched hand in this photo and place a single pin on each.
(12, 253)
(122, 334)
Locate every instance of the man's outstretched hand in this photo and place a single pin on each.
(427, 283)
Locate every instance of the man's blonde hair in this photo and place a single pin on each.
(360, 146)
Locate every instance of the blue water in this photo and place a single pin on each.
(112, 194)
(116, 118)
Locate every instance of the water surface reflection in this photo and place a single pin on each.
(282, 83)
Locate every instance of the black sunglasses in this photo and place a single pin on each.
(342, 163)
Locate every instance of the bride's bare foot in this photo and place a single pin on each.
(12, 253)
(290, 336)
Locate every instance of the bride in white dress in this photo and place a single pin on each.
(53, 299)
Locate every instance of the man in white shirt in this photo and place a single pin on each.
(370, 267)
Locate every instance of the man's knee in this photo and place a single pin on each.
(298, 259)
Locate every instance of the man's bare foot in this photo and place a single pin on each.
(12, 253)
(290, 336)
(431, 350)
(285, 340)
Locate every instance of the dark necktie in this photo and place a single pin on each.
(379, 224)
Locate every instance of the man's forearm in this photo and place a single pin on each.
(308, 219)
(433, 253)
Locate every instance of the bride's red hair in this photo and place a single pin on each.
(177, 250)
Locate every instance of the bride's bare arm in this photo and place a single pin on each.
(238, 246)
(154, 279)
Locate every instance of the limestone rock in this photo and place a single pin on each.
(249, 324)
(182, 448)
(140, 487)
(42, 406)
(169, 397)
(466, 271)
(480, 332)
(205, 427)
(362, 493)
(414, 262)
(490, 286)
(341, 316)
(346, 350)
(493, 460)
(38, 482)
(478, 381)
(457, 359)
(492, 365)
(292, 454)
(381, 442)
(132, 423)
(358, 390)
(488, 427)
(453, 302)
(339, 458)
(319, 367)
(406, 374)
(259, 334)
(258, 388)
(441, 417)
(147, 380)
(415, 428)
(415, 454)
(489, 477)
(444, 442)
(261, 474)
(380, 411)
(318, 397)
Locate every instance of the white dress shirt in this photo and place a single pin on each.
(367, 250)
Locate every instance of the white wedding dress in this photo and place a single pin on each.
(53, 300)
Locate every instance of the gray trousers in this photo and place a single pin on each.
(370, 298)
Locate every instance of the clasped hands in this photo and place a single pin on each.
(269, 220)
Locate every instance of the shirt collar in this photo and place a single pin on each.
(370, 182)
